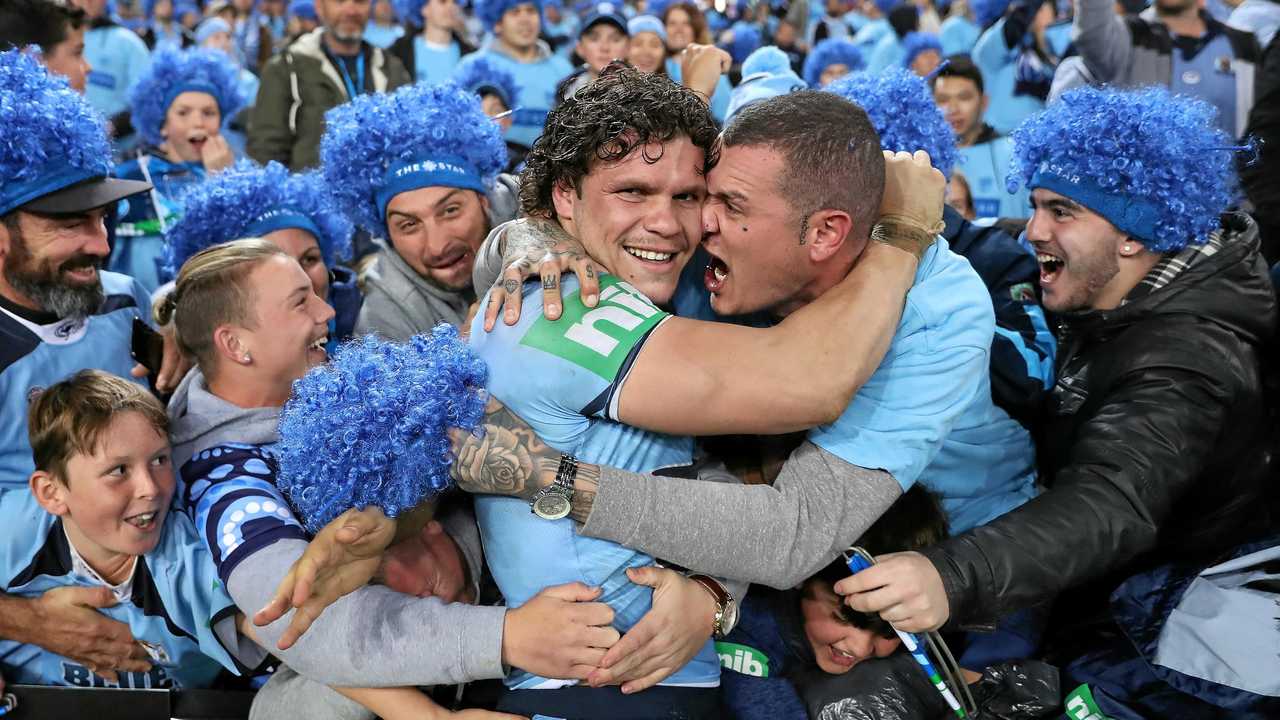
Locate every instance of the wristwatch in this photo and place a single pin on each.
(556, 500)
(726, 606)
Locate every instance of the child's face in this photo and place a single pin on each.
(837, 644)
(117, 497)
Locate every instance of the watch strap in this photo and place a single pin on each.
(722, 598)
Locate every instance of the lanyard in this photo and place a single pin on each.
(346, 78)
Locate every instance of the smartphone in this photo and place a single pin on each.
(147, 348)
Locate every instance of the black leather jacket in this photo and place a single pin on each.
(1153, 444)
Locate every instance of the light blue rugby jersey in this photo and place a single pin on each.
(33, 357)
(178, 608)
(926, 414)
(564, 378)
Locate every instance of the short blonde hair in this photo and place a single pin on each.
(212, 289)
(69, 417)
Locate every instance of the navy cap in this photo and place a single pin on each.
(604, 12)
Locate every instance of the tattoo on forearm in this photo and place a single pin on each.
(504, 457)
(585, 488)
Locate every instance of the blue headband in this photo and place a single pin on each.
(194, 86)
(1132, 215)
(439, 171)
(54, 176)
(282, 219)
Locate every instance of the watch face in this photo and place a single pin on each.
(551, 506)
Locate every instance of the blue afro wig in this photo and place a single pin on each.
(50, 138)
(746, 40)
(478, 74)
(227, 205)
(987, 12)
(917, 42)
(174, 72)
(768, 59)
(371, 135)
(1152, 163)
(832, 51)
(409, 11)
(371, 427)
(903, 112)
(490, 12)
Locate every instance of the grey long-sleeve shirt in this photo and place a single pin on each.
(773, 535)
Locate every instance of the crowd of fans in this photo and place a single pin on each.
(641, 359)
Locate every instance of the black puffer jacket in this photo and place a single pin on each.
(1153, 444)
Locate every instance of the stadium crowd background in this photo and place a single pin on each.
(1060, 454)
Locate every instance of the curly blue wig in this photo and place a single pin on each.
(371, 427)
(903, 112)
(244, 200)
(1152, 163)
(480, 75)
(917, 42)
(987, 12)
(174, 72)
(50, 138)
(421, 135)
(832, 51)
(490, 12)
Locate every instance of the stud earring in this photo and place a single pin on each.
(247, 358)
(1128, 248)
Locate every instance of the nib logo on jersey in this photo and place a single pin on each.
(599, 338)
(742, 659)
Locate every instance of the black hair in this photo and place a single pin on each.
(960, 66)
(621, 110)
(904, 19)
(832, 153)
(37, 22)
(915, 520)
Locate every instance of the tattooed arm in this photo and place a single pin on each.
(512, 252)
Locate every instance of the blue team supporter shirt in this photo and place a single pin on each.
(926, 413)
(537, 82)
(118, 58)
(176, 607)
(564, 378)
(432, 63)
(34, 356)
(984, 166)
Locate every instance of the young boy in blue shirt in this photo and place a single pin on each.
(99, 514)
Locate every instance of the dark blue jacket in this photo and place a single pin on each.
(1023, 349)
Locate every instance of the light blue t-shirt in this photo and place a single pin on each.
(868, 35)
(887, 52)
(34, 356)
(537, 82)
(926, 414)
(433, 64)
(118, 58)
(176, 608)
(564, 378)
(957, 35)
(719, 98)
(998, 63)
(985, 166)
(382, 36)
